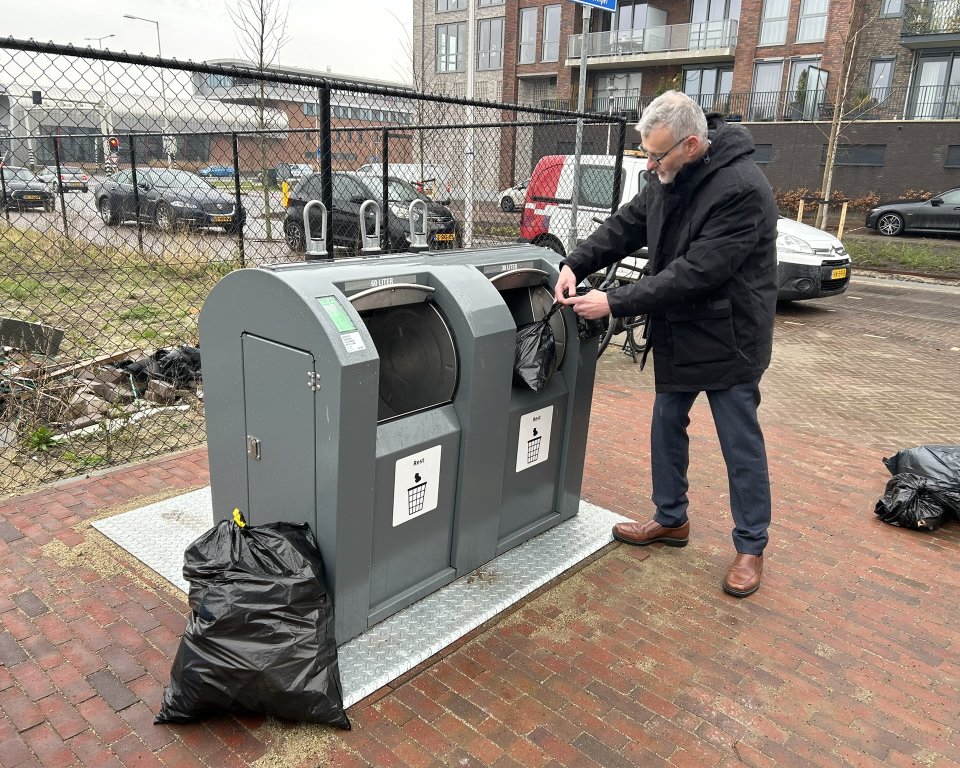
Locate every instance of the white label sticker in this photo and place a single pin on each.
(352, 341)
(534, 444)
(415, 485)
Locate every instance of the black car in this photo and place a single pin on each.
(940, 213)
(350, 191)
(168, 198)
(22, 189)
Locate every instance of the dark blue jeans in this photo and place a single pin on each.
(741, 440)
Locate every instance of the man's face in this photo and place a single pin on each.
(665, 155)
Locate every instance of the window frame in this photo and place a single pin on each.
(765, 21)
(491, 50)
(811, 16)
(527, 45)
(451, 5)
(886, 13)
(459, 57)
(545, 41)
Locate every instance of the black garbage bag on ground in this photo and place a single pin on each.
(914, 501)
(179, 366)
(260, 634)
(535, 355)
(937, 462)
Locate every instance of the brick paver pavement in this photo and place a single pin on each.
(848, 655)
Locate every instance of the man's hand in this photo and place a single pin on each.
(590, 306)
(566, 286)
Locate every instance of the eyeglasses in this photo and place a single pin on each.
(659, 158)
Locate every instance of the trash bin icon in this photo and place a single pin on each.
(415, 495)
(533, 448)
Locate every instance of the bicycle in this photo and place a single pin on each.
(634, 342)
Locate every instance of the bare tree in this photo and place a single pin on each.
(261, 33)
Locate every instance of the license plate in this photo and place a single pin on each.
(445, 237)
(221, 219)
(31, 197)
(838, 274)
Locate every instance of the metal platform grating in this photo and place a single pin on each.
(158, 534)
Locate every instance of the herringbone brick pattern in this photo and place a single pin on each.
(847, 656)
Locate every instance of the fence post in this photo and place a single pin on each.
(617, 165)
(239, 202)
(385, 164)
(63, 205)
(843, 218)
(326, 154)
(136, 191)
(3, 196)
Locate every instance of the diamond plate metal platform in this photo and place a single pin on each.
(158, 534)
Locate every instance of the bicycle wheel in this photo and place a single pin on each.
(634, 328)
(614, 327)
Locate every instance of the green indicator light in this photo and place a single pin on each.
(337, 313)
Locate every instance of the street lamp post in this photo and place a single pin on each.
(106, 127)
(163, 86)
(611, 89)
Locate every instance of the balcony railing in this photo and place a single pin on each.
(932, 17)
(676, 37)
(927, 102)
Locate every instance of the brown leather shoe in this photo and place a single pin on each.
(743, 577)
(650, 532)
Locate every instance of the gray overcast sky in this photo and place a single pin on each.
(352, 37)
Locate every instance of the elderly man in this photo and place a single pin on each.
(709, 220)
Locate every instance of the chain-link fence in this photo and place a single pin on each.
(131, 184)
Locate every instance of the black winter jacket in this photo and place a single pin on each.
(711, 294)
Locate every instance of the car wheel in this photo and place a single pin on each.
(109, 216)
(293, 234)
(49, 206)
(233, 229)
(890, 224)
(165, 217)
(506, 202)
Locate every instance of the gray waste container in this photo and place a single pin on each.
(342, 396)
(373, 399)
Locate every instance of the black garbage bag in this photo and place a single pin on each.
(937, 462)
(260, 634)
(179, 366)
(535, 354)
(914, 501)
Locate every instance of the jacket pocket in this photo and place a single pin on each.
(702, 333)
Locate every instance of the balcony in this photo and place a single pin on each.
(929, 102)
(931, 24)
(676, 44)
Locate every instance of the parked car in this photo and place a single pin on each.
(430, 178)
(70, 179)
(168, 198)
(217, 171)
(512, 197)
(940, 213)
(811, 263)
(350, 191)
(22, 189)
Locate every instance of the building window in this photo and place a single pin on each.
(551, 33)
(881, 78)
(709, 87)
(813, 21)
(484, 3)
(762, 153)
(773, 23)
(219, 81)
(857, 154)
(528, 36)
(953, 156)
(452, 47)
(490, 47)
(891, 8)
(451, 5)
(765, 95)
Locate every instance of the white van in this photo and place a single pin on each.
(430, 178)
(810, 262)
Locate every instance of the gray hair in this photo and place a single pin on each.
(680, 114)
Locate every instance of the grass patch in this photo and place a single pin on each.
(929, 256)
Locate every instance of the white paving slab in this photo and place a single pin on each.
(158, 534)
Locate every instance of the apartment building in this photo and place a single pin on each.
(773, 63)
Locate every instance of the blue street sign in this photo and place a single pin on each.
(603, 5)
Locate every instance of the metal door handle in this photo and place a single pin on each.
(253, 447)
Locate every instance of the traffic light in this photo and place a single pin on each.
(114, 143)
